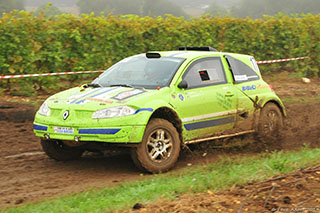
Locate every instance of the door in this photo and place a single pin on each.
(208, 105)
(246, 82)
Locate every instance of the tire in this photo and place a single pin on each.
(270, 123)
(57, 150)
(159, 149)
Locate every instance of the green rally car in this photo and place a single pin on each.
(158, 101)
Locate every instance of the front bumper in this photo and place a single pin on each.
(119, 134)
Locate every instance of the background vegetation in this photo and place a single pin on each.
(39, 44)
(235, 8)
(137, 7)
(258, 8)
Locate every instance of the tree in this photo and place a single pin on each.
(137, 7)
(160, 8)
(124, 7)
(215, 9)
(7, 6)
(37, 3)
(258, 8)
(48, 10)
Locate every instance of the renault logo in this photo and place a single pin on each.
(65, 115)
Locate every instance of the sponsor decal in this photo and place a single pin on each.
(223, 101)
(192, 94)
(240, 77)
(247, 88)
(181, 97)
(99, 100)
(260, 86)
(128, 94)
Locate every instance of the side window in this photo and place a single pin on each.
(204, 72)
(254, 64)
(242, 72)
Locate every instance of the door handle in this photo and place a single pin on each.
(229, 94)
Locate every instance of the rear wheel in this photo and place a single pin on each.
(270, 123)
(57, 150)
(159, 149)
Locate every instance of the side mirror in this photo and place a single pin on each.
(183, 84)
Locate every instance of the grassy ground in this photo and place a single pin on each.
(216, 176)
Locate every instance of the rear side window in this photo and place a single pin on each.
(254, 64)
(242, 72)
(205, 72)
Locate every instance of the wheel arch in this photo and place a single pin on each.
(278, 104)
(171, 116)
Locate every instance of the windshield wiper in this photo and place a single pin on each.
(121, 85)
(126, 85)
(95, 85)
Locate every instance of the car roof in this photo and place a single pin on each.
(195, 54)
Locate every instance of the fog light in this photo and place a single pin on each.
(77, 138)
(47, 136)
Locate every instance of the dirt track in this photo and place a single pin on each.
(296, 192)
(27, 175)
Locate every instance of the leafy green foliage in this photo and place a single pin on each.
(39, 44)
(48, 10)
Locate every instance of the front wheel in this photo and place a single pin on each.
(57, 150)
(270, 122)
(159, 149)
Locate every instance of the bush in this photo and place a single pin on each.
(39, 44)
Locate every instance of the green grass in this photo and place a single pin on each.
(216, 176)
(309, 99)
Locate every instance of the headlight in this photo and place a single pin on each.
(114, 112)
(44, 109)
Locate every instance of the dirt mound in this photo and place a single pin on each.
(296, 192)
(16, 112)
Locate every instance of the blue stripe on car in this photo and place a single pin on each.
(99, 131)
(40, 127)
(95, 90)
(144, 109)
(108, 90)
(209, 123)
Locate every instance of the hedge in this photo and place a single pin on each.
(37, 44)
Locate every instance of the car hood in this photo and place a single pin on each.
(80, 98)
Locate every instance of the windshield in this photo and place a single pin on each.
(140, 71)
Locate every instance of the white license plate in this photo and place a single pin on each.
(63, 130)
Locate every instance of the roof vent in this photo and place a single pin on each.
(199, 49)
(153, 55)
